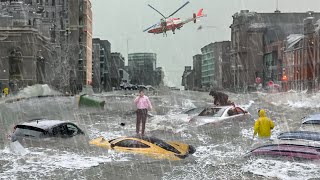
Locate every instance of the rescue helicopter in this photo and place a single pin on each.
(167, 23)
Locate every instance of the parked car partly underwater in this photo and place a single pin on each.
(216, 114)
(45, 128)
(149, 146)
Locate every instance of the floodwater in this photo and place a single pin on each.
(220, 149)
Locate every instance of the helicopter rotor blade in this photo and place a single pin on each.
(157, 11)
(179, 9)
(149, 27)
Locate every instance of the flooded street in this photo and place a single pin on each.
(220, 148)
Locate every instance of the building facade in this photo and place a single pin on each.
(105, 60)
(197, 66)
(85, 22)
(59, 26)
(251, 32)
(142, 68)
(207, 67)
(301, 58)
(188, 78)
(215, 72)
(221, 54)
(96, 70)
(117, 62)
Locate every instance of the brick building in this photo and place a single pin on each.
(251, 32)
(301, 62)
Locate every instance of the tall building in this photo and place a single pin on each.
(215, 65)
(188, 78)
(105, 60)
(197, 66)
(96, 68)
(142, 68)
(207, 67)
(250, 33)
(26, 50)
(116, 63)
(64, 30)
(221, 56)
(85, 30)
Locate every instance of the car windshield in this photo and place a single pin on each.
(212, 112)
(161, 144)
(29, 131)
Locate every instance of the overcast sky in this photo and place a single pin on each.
(120, 21)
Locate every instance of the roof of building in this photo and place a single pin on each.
(293, 39)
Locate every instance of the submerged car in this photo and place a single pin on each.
(44, 128)
(217, 114)
(288, 150)
(312, 119)
(300, 135)
(149, 146)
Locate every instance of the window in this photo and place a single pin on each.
(72, 130)
(65, 130)
(213, 112)
(161, 144)
(131, 144)
(53, 2)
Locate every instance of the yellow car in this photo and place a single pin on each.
(149, 146)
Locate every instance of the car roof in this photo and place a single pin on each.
(43, 123)
(312, 117)
(145, 138)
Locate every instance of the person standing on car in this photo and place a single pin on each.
(220, 98)
(263, 125)
(143, 104)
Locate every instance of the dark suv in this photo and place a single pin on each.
(44, 128)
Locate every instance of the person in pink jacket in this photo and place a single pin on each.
(143, 104)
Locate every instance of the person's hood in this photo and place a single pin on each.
(262, 113)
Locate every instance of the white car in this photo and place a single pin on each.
(216, 114)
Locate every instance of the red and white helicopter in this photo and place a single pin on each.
(171, 24)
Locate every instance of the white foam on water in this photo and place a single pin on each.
(287, 170)
(37, 90)
(17, 148)
(187, 103)
(95, 133)
(294, 99)
(41, 162)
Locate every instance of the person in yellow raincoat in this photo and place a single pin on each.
(6, 92)
(263, 125)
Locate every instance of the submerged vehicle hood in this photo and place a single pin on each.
(101, 142)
